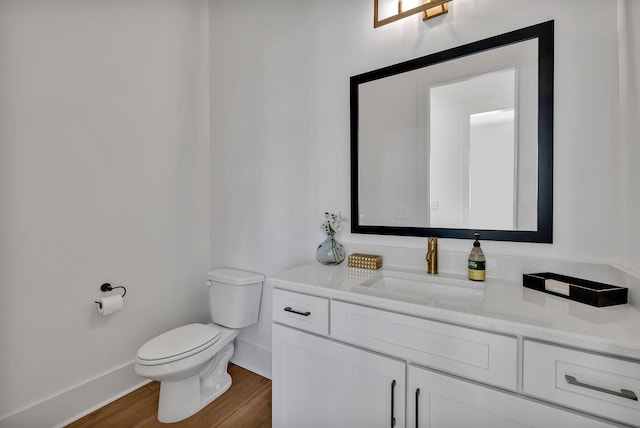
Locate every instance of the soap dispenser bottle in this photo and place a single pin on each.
(477, 263)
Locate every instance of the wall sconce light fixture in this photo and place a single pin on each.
(429, 9)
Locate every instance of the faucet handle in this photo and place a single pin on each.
(432, 243)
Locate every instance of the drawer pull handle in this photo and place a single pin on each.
(624, 393)
(293, 311)
(393, 388)
(417, 401)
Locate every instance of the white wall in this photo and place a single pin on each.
(264, 212)
(629, 33)
(280, 122)
(104, 176)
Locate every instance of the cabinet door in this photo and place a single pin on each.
(321, 383)
(446, 402)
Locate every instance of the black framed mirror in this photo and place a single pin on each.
(457, 142)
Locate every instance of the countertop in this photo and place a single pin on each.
(498, 305)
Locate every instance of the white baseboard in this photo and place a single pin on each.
(72, 404)
(252, 357)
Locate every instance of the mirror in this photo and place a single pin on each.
(457, 142)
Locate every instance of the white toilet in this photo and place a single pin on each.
(191, 361)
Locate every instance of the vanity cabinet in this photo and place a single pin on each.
(321, 383)
(342, 364)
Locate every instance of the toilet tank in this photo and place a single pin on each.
(234, 297)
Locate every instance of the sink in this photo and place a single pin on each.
(422, 288)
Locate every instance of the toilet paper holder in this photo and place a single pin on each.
(107, 287)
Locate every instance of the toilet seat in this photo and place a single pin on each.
(177, 344)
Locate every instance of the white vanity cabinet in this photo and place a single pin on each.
(338, 363)
(319, 383)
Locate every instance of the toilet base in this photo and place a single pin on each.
(184, 398)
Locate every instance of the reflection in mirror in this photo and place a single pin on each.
(492, 191)
(448, 147)
(481, 191)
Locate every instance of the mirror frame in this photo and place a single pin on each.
(544, 33)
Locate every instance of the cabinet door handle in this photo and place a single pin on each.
(624, 393)
(304, 314)
(393, 388)
(417, 401)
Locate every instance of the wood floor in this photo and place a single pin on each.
(247, 404)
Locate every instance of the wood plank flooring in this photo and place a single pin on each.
(247, 404)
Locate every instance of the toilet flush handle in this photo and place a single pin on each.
(208, 282)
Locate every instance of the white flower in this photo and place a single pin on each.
(331, 223)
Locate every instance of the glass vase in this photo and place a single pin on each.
(330, 251)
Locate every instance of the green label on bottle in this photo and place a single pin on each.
(476, 265)
(476, 270)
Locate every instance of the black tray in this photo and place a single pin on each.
(580, 290)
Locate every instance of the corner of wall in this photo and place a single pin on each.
(252, 357)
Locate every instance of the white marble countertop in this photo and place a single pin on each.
(502, 306)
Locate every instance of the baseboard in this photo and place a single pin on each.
(252, 357)
(74, 403)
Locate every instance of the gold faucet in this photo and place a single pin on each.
(432, 255)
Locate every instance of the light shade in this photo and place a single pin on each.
(429, 9)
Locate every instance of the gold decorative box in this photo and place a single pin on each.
(365, 261)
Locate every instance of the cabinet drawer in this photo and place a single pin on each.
(301, 311)
(596, 384)
(487, 357)
(436, 400)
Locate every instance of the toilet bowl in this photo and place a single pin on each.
(191, 361)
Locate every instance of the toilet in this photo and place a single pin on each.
(191, 361)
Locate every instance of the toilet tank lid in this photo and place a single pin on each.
(234, 276)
